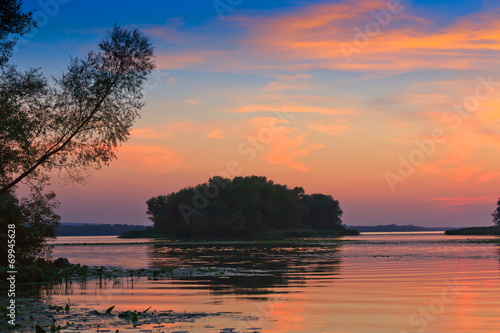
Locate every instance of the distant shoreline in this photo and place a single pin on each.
(475, 231)
(395, 228)
(88, 229)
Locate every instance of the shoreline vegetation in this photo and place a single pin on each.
(40, 316)
(88, 229)
(35, 313)
(475, 231)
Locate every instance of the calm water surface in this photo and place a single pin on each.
(376, 282)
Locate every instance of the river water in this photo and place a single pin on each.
(375, 282)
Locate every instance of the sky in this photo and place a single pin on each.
(390, 107)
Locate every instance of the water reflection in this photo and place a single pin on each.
(262, 270)
(375, 283)
(267, 268)
(498, 250)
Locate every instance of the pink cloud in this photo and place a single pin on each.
(461, 201)
(487, 176)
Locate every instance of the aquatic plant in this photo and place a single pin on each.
(134, 320)
(125, 314)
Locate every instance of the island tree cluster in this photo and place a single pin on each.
(242, 207)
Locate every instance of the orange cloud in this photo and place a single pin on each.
(215, 134)
(312, 37)
(470, 152)
(163, 131)
(284, 146)
(467, 155)
(215, 131)
(338, 127)
(148, 159)
(487, 176)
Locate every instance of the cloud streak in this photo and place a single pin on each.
(462, 201)
(291, 109)
(311, 37)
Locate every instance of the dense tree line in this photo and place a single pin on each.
(242, 207)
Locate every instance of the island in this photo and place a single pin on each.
(251, 207)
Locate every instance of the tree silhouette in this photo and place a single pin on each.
(77, 124)
(72, 127)
(496, 214)
(12, 22)
(243, 207)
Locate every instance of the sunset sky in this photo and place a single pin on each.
(391, 108)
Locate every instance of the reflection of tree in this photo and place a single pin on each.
(275, 265)
(499, 255)
(95, 288)
(48, 289)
